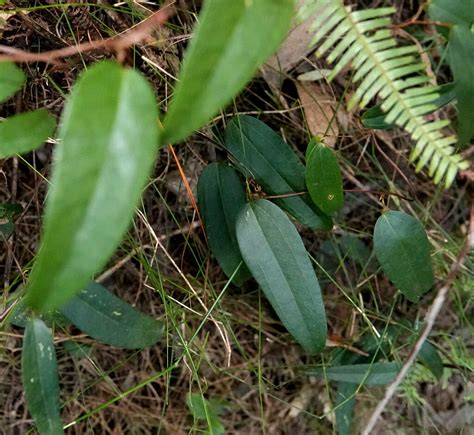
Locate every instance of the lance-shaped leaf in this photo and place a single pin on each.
(366, 374)
(220, 198)
(403, 251)
(232, 39)
(344, 404)
(461, 59)
(11, 80)
(277, 258)
(39, 373)
(109, 319)
(25, 132)
(323, 179)
(109, 136)
(261, 154)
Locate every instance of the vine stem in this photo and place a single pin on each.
(430, 319)
(116, 43)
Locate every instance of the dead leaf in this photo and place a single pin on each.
(319, 110)
(294, 48)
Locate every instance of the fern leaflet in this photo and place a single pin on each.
(362, 39)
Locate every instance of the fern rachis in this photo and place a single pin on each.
(361, 38)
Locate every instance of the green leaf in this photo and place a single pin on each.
(203, 409)
(344, 404)
(403, 251)
(361, 374)
(22, 314)
(452, 11)
(232, 39)
(25, 132)
(39, 372)
(430, 358)
(323, 179)
(8, 213)
(461, 59)
(277, 258)
(11, 80)
(261, 154)
(109, 319)
(220, 198)
(375, 117)
(109, 136)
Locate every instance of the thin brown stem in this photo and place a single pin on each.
(116, 43)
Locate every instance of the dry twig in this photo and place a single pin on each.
(116, 43)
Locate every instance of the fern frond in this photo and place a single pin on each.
(362, 39)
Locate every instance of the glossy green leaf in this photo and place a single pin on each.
(39, 372)
(277, 258)
(461, 59)
(261, 154)
(11, 80)
(109, 136)
(452, 11)
(232, 39)
(403, 251)
(109, 319)
(430, 358)
(361, 374)
(323, 179)
(25, 132)
(375, 116)
(311, 146)
(220, 198)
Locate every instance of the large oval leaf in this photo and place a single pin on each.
(366, 374)
(403, 251)
(39, 373)
(220, 198)
(109, 319)
(25, 132)
(323, 179)
(230, 42)
(277, 258)
(109, 136)
(11, 80)
(262, 155)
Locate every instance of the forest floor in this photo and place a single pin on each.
(242, 360)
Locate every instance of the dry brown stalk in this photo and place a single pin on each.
(116, 43)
